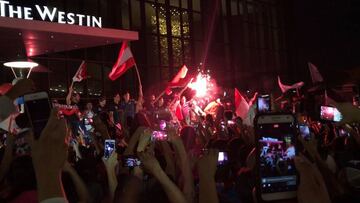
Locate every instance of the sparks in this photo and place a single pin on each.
(201, 84)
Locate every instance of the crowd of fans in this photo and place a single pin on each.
(67, 163)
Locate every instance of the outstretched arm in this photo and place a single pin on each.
(110, 165)
(68, 96)
(80, 186)
(186, 173)
(207, 168)
(172, 191)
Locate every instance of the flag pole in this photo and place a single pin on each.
(138, 76)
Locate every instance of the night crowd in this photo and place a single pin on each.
(167, 150)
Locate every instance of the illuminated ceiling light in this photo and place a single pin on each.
(22, 66)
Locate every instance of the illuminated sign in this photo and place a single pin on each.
(45, 13)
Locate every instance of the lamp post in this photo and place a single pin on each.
(22, 66)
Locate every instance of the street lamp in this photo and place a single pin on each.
(22, 67)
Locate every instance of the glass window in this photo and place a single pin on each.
(125, 15)
(223, 6)
(152, 50)
(234, 11)
(184, 4)
(199, 48)
(175, 23)
(196, 5)
(151, 22)
(135, 14)
(197, 25)
(177, 51)
(162, 21)
(164, 51)
(39, 74)
(174, 3)
(94, 82)
(58, 79)
(187, 52)
(241, 8)
(185, 24)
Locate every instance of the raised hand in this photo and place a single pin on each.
(149, 162)
(111, 162)
(49, 153)
(312, 188)
(311, 146)
(144, 140)
(207, 164)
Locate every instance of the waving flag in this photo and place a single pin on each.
(178, 80)
(285, 88)
(124, 62)
(81, 73)
(315, 74)
(241, 105)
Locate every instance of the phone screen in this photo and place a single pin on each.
(131, 162)
(39, 113)
(263, 104)
(159, 136)
(304, 131)
(162, 125)
(276, 157)
(222, 158)
(330, 114)
(109, 148)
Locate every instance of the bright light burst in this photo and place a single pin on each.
(201, 85)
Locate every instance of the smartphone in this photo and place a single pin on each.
(343, 133)
(159, 136)
(222, 158)
(109, 148)
(162, 125)
(131, 161)
(263, 104)
(38, 109)
(305, 131)
(230, 122)
(276, 150)
(329, 113)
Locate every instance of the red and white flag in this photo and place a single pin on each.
(177, 81)
(81, 73)
(315, 74)
(180, 75)
(285, 88)
(124, 62)
(241, 105)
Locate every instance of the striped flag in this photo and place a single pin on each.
(124, 62)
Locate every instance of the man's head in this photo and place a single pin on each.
(126, 97)
(102, 101)
(75, 98)
(89, 106)
(183, 100)
(117, 98)
(152, 98)
(161, 102)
